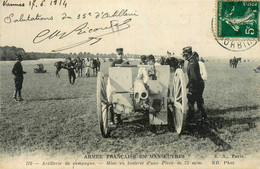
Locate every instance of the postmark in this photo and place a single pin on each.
(236, 24)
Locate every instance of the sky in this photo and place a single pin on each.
(161, 26)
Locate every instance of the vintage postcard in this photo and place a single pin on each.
(129, 84)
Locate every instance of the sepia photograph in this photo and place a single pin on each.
(129, 84)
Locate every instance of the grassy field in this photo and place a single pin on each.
(58, 118)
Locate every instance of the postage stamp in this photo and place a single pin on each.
(237, 19)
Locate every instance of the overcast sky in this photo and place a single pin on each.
(159, 26)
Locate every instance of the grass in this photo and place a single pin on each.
(59, 118)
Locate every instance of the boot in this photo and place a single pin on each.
(20, 96)
(204, 117)
(15, 95)
(191, 116)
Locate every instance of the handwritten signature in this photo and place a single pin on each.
(83, 29)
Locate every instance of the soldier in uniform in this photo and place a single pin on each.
(71, 72)
(99, 64)
(195, 86)
(115, 119)
(18, 72)
(119, 59)
(143, 60)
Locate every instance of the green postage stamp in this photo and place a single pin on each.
(237, 19)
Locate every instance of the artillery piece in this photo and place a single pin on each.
(163, 97)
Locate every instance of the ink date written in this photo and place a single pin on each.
(85, 31)
(35, 3)
(43, 3)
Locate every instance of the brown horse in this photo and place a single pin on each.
(173, 62)
(59, 65)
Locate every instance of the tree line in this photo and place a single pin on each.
(9, 53)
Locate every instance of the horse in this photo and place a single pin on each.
(230, 62)
(173, 62)
(79, 64)
(234, 61)
(59, 65)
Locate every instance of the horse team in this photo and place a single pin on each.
(78, 65)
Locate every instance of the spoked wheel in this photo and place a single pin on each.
(102, 105)
(179, 100)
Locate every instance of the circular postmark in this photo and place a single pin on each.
(233, 44)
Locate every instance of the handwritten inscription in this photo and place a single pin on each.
(113, 27)
(13, 18)
(89, 31)
(7, 3)
(35, 3)
(104, 15)
(24, 18)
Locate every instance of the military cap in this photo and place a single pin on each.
(119, 49)
(187, 50)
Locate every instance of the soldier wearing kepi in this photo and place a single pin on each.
(18, 79)
(115, 119)
(119, 59)
(195, 86)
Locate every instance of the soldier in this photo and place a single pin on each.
(18, 79)
(98, 64)
(88, 65)
(143, 60)
(79, 66)
(195, 86)
(71, 73)
(115, 119)
(119, 59)
(144, 73)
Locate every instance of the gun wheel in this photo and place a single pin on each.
(179, 100)
(102, 105)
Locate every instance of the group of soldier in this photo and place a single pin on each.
(196, 72)
(72, 65)
(77, 65)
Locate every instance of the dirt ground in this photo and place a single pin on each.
(56, 117)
